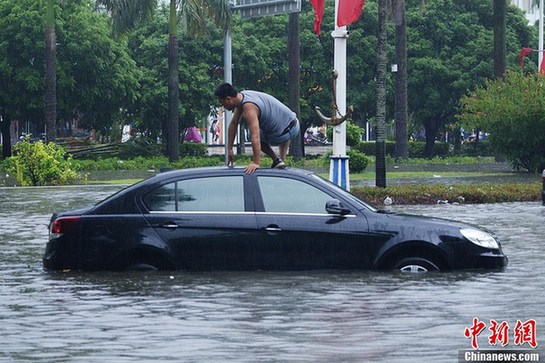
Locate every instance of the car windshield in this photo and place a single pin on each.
(344, 193)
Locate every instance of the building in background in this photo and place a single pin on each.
(529, 7)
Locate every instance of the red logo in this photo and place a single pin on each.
(524, 332)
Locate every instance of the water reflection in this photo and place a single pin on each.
(255, 316)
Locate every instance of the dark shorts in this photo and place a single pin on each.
(289, 134)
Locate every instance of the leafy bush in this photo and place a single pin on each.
(41, 164)
(114, 163)
(358, 162)
(193, 149)
(480, 148)
(432, 194)
(512, 110)
(353, 134)
(416, 148)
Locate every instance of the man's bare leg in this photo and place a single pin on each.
(283, 150)
(267, 149)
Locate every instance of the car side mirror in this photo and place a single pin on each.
(334, 206)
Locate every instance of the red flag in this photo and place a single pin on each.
(523, 53)
(318, 6)
(349, 11)
(542, 67)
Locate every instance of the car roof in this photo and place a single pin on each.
(172, 175)
(236, 170)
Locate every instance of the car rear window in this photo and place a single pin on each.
(212, 194)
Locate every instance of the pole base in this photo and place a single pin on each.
(339, 172)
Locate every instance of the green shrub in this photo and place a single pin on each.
(358, 162)
(41, 164)
(480, 148)
(353, 134)
(469, 194)
(416, 148)
(193, 149)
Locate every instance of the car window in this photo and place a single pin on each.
(283, 195)
(214, 194)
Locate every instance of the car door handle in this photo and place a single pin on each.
(273, 229)
(170, 225)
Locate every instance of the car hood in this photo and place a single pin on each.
(441, 226)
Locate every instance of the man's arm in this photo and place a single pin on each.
(251, 116)
(231, 133)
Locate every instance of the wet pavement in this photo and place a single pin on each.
(260, 316)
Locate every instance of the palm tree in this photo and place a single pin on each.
(500, 8)
(380, 165)
(401, 115)
(294, 77)
(192, 16)
(50, 74)
(126, 14)
(173, 124)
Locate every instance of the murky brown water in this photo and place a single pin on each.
(325, 316)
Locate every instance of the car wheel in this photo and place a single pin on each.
(415, 265)
(141, 267)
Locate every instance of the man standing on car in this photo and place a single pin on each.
(270, 122)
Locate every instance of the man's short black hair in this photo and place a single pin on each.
(225, 90)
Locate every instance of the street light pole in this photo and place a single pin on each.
(339, 166)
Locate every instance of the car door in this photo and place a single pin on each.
(300, 234)
(204, 221)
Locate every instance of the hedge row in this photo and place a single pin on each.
(441, 149)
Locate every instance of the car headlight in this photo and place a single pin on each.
(480, 238)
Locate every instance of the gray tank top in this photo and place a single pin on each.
(274, 115)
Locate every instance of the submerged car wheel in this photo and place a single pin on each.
(141, 267)
(415, 265)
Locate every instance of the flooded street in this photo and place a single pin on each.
(325, 316)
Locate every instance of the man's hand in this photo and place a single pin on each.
(249, 169)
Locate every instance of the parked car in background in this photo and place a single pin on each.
(223, 219)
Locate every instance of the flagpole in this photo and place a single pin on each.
(339, 171)
(540, 54)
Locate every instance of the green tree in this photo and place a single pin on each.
(50, 74)
(294, 79)
(450, 52)
(401, 116)
(97, 79)
(194, 15)
(21, 64)
(95, 75)
(380, 165)
(512, 110)
(126, 15)
(199, 69)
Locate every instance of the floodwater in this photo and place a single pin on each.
(325, 316)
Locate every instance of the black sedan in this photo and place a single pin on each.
(224, 219)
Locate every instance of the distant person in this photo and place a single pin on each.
(269, 121)
(192, 135)
(214, 131)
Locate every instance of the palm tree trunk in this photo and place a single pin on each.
(500, 8)
(50, 75)
(401, 114)
(294, 79)
(380, 164)
(173, 126)
(6, 133)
